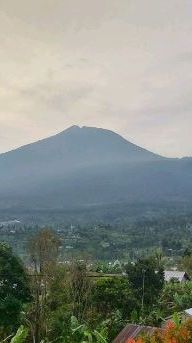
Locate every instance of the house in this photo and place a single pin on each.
(183, 315)
(188, 313)
(133, 331)
(117, 264)
(178, 276)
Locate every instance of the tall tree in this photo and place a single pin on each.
(114, 293)
(80, 290)
(43, 250)
(147, 281)
(14, 288)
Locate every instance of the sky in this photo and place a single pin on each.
(123, 65)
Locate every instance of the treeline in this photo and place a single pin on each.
(56, 302)
(124, 241)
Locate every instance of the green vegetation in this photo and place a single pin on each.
(126, 239)
(14, 289)
(174, 332)
(75, 302)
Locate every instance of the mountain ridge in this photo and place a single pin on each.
(76, 128)
(84, 166)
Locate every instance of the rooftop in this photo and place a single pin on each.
(133, 331)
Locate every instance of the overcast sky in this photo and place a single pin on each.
(124, 65)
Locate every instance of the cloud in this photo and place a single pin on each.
(124, 65)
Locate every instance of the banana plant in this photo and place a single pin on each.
(21, 335)
(87, 335)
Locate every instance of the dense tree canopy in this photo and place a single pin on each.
(14, 288)
(147, 281)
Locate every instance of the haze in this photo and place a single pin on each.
(123, 65)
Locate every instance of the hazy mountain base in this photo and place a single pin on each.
(106, 234)
(114, 214)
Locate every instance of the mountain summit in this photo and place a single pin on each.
(85, 166)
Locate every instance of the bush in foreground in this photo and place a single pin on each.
(173, 333)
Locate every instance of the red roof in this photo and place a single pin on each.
(133, 331)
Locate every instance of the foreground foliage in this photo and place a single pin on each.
(173, 333)
(14, 289)
(65, 303)
(21, 335)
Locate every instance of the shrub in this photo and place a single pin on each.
(173, 333)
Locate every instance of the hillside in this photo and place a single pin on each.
(84, 167)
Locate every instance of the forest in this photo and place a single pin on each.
(47, 300)
(127, 239)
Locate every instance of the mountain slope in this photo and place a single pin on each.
(86, 167)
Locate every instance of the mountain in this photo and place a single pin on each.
(84, 167)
